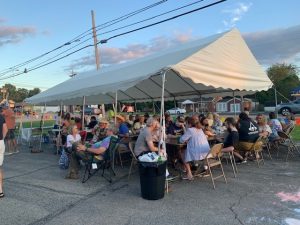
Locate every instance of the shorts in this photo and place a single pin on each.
(2, 150)
(10, 134)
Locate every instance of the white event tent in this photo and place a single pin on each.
(219, 63)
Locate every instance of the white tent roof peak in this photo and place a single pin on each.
(186, 102)
(212, 64)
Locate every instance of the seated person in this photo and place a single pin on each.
(217, 123)
(177, 128)
(263, 127)
(232, 138)
(99, 131)
(208, 131)
(248, 133)
(92, 123)
(78, 123)
(275, 125)
(288, 122)
(123, 129)
(72, 138)
(197, 146)
(144, 143)
(137, 126)
(84, 153)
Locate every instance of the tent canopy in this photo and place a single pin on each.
(214, 64)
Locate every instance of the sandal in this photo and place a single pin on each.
(1, 195)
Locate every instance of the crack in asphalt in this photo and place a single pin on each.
(231, 208)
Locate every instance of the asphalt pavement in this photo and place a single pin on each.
(36, 193)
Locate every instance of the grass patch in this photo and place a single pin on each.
(47, 123)
(296, 133)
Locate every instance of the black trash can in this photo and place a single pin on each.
(152, 179)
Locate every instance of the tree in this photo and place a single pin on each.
(285, 78)
(33, 92)
(19, 94)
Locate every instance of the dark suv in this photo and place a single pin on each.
(290, 107)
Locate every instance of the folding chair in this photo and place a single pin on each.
(212, 160)
(257, 149)
(134, 159)
(230, 154)
(288, 142)
(107, 163)
(123, 148)
(266, 145)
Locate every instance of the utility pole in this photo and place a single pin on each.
(95, 41)
(97, 56)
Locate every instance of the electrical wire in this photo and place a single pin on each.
(118, 35)
(82, 35)
(82, 42)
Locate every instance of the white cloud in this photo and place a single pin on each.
(235, 14)
(111, 55)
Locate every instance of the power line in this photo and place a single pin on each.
(82, 35)
(82, 42)
(118, 35)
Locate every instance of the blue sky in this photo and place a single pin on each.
(30, 28)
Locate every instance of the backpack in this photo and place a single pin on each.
(63, 161)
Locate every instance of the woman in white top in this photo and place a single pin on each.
(263, 127)
(197, 146)
(74, 137)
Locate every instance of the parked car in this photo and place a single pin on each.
(176, 111)
(290, 107)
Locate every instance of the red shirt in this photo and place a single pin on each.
(10, 118)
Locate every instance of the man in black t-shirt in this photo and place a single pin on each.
(248, 132)
(3, 132)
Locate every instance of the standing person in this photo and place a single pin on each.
(10, 120)
(3, 132)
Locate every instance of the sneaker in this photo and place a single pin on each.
(171, 177)
(8, 153)
(241, 161)
(186, 177)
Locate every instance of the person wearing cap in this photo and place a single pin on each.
(10, 120)
(3, 132)
(123, 129)
(99, 131)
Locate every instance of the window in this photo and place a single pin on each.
(221, 107)
(235, 107)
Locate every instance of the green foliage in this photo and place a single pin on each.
(284, 78)
(19, 94)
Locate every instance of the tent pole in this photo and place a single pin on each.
(162, 115)
(234, 103)
(135, 108)
(83, 108)
(103, 110)
(174, 103)
(21, 123)
(243, 107)
(42, 128)
(116, 107)
(153, 107)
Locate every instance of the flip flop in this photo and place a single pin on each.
(1, 195)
